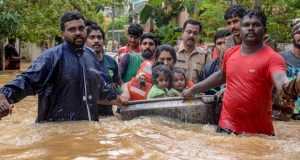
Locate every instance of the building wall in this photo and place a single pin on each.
(284, 46)
(183, 16)
(31, 50)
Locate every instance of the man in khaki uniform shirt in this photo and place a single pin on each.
(189, 57)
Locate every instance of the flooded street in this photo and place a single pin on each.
(141, 138)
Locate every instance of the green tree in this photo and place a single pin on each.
(38, 20)
(9, 18)
(279, 14)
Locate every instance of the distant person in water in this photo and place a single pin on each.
(12, 57)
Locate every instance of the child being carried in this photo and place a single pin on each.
(178, 80)
(161, 76)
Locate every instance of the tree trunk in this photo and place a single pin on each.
(256, 3)
(113, 26)
(196, 8)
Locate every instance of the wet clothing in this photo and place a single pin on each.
(173, 92)
(210, 68)
(230, 42)
(192, 63)
(110, 73)
(10, 63)
(247, 102)
(156, 92)
(109, 69)
(129, 66)
(122, 51)
(293, 71)
(67, 81)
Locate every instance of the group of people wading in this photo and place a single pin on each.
(76, 80)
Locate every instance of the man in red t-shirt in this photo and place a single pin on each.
(250, 71)
(134, 33)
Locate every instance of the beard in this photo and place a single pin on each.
(147, 54)
(78, 41)
(296, 43)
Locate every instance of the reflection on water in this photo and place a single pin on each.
(141, 138)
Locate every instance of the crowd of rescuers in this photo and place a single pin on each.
(77, 80)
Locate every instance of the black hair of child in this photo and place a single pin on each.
(177, 70)
(157, 68)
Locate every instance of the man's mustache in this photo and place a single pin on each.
(252, 33)
(148, 50)
(96, 45)
(234, 29)
(79, 37)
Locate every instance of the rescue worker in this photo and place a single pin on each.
(65, 77)
(250, 71)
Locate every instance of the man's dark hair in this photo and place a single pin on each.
(193, 22)
(69, 16)
(150, 36)
(12, 40)
(168, 48)
(221, 33)
(235, 10)
(135, 30)
(258, 13)
(93, 26)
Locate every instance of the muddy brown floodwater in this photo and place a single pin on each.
(141, 138)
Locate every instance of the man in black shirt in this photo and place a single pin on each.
(12, 58)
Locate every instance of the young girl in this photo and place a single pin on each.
(178, 80)
(161, 75)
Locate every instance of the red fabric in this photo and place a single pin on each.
(215, 54)
(189, 84)
(136, 91)
(146, 70)
(247, 100)
(125, 49)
